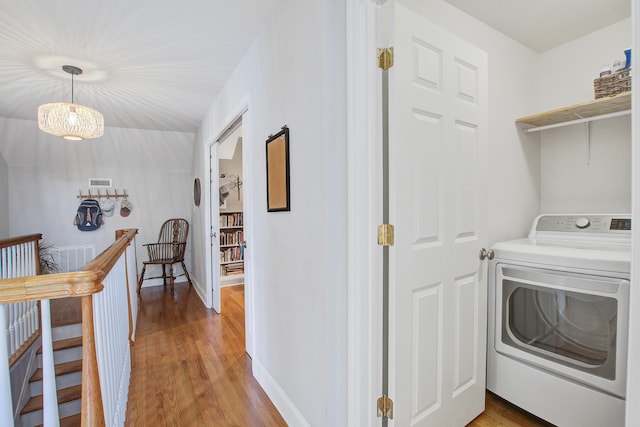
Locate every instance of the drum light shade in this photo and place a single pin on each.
(69, 120)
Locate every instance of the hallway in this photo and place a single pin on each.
(189, 366)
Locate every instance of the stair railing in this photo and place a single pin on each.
(19, 322)
(19, 257)
(106, 329)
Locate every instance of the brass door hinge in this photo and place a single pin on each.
(385, 407)
(385, 57)
(386, 235)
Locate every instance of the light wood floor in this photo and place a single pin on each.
(500, 413)
(189, 368)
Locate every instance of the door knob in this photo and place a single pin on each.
(489, 254)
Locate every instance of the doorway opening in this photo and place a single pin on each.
(229, 221)
(231, 209)
(230, 218)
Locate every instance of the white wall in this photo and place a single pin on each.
(230, 167)
(633, 368)
(571, 181)
(198, 233)
(514, 162)
(294, 75)
(4, 198)
(567, 72)
(46, 173)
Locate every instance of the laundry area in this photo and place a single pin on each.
(533, 176)
(558, 319)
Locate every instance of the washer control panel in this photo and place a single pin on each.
(583, 222)
(616, 224)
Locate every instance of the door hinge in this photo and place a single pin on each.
(385, 57)
(386, 235)
(385, 407)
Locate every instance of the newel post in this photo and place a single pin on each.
(92, 409)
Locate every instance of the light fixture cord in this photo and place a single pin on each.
(72, 88)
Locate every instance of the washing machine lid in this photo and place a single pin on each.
(596, 242)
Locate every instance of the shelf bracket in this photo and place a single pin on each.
(587, 128)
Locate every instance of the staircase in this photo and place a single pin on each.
(67, 356)
(104, 290)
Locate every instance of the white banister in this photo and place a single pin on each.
(20, 260)
(18, 321)
(111, 317)
(106, 286)
(71, 258)
(6, 402)
(50, 396)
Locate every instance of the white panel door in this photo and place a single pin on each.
(438, 145)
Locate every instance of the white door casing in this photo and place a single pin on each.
(438, 169)
(633, 368)
(214, 198)
(241, 115)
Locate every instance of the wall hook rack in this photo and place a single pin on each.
(102, 195)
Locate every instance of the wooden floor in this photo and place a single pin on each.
(189, 368)
(500, 413)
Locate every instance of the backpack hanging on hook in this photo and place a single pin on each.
(88, 216)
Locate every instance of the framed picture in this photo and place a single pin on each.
(278, 198)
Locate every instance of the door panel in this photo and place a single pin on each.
(466, 180)
(427, 325)
(438, 138)
(466, 331)
(426, 202)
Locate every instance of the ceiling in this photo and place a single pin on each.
(159, 64)
(545, 24)
(148, 64)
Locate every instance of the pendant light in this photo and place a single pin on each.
(69, 120)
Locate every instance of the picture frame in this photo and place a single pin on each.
(278, 186)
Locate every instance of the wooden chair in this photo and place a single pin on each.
(169, 250)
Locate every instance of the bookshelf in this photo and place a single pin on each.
(231, 248)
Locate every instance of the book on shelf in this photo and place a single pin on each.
(231, 237)
(232, 254)
(231, 219)
(232, 269)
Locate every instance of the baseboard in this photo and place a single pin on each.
(155, 276)
(285, 406)
(200, 291)
(148, 283)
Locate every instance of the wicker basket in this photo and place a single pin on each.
(612, 84)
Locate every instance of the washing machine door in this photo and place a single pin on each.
(572, 324)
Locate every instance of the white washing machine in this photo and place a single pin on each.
(558, 319)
